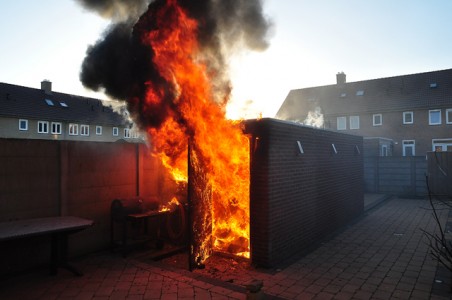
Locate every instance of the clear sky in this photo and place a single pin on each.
(311, 42)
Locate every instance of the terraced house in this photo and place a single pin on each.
(30, 113)
(402, 115)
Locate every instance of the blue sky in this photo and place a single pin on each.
(311, 41)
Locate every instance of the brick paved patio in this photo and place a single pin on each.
(383, 255)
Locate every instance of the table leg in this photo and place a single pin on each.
(59, 255)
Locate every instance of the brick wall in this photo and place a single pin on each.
(298, 199)
(41, 178)
(393, 128)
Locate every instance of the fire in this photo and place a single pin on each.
(221, 147)
(170, 205)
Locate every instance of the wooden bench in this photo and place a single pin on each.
(58, 228)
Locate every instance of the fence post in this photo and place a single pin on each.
(377, 174)
(63, 177)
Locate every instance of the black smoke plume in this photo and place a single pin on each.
(121, 65)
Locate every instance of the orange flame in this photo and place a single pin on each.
(221, 142)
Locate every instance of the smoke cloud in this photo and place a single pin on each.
(314, 118)
(116, 9)
(120, 64)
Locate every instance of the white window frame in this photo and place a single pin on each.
(406, 113)
(443, 143)
(84, 130)
(384, 150)
(73, 129)
(430, 116)
(115, 131)
(98, 130)
(25, 122)
(374, 117)
(408, 144)
(43, 127)
(341, 123)
(449, 120)
(127, 133)
(354, 119)
(56, 127)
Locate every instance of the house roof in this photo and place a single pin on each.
(415, 91)
(23, 102)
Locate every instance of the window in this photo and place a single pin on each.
(384, 150)
(354, 122)
(115, 131)
(377, 119)
(55, 128)
(43, 127)
(127, 132)
(408, 148)
(23, 124)
(84, 130)
(434, 117)
(449, 116)
(408, 117)
(442, 145)
(341, 123)
(73, 129)
(98, 130)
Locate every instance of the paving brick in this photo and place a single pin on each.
(382, 294)
(305, 296)
(362, 295)
(137, 290)
(361, 262)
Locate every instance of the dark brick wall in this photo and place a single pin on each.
(298, 199)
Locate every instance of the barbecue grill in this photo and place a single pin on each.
(132, 215)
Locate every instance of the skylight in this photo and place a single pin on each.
(64, 104)
(360, 93)
(343, 95)
(49, 102)
(433, 85)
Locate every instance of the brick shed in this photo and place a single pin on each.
(305, 184)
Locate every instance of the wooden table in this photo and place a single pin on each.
(58, 228)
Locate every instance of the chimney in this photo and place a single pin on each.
(46, 86)
(340, 78)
